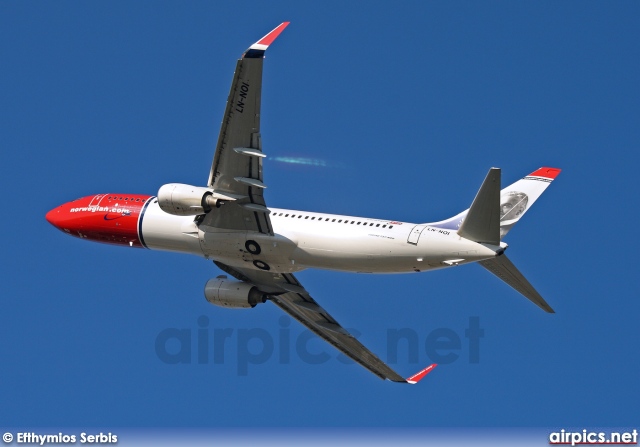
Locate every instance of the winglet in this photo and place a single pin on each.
(257, 49)
(418, 377)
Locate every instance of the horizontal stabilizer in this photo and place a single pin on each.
(504, 269)
(482, 223)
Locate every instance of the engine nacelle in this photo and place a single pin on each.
(230, 293)
(185, 200)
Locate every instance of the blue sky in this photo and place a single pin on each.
(409, 104)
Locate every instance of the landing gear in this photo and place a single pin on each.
(261, 265)
(252, 247)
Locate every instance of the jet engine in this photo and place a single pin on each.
(225, 292)
(186, 200)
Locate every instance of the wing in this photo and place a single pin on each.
(236, 178)
(236, 171)
(288, 294)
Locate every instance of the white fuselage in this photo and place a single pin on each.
(316, 240)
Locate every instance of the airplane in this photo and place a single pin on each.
(261, 247)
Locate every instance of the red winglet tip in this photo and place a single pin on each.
(419, 376)
(269, 38)
(550, 173)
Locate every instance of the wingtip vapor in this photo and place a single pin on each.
(419, 376)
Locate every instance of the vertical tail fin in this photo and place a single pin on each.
(482, 222)
(514, 201)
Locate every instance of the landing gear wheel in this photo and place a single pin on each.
(253, 247)
(261, 265)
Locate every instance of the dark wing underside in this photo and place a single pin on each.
(296, 301)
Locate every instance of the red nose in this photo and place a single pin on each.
(103, 218)
(53, 217)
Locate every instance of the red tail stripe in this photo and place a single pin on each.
(546, 173)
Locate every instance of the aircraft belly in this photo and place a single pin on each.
(250, 250)
(355, 253)
(373, 254)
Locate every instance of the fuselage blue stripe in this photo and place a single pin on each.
(144, 208)
(253, 54)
